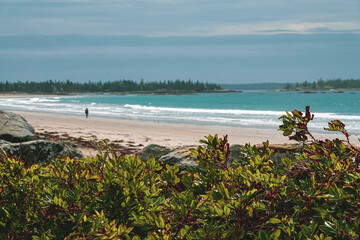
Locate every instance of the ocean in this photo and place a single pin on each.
(249, 109)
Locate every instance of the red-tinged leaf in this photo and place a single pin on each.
(296, 113)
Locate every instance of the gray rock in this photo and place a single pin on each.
(39, 151)
(171, 156)
(4, 146)
(18, 139)
(154, 150)
(235, 153)
(14, 128)
(181, 156)
(284, 150)
(280, 151)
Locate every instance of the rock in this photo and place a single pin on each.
(154, 150)
(235, 152)
(181, 156)
(280, 151)
(14, 128)
(284, 150)
(171, 156)
(39, 151)
(4, 146)
(18, 139)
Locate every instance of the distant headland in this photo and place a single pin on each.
(177, 87)
(119, 86)
(323, 85)
(320, 85)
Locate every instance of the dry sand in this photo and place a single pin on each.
(137, 134)
(134, 135)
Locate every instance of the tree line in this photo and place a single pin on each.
(326, 84)
(68, 86)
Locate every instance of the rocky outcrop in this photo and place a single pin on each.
(235, 153)
(171, 156)
(284, 150)
(182, 155)
(280, 151)
(14, 128)
(154, 150)
(18, 139)
(38, 151)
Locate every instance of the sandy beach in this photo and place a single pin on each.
(137, 134)
(134, 135)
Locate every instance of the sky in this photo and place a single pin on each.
(226, 41)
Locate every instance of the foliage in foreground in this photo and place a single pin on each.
(312, 195)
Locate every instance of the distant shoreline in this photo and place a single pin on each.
(39, 94)
(21, 94)
(320, 91)
(118, 86)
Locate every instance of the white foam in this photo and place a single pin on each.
(211, 111)
(44, 100)
(233, 117)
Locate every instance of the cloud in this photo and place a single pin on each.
(285, 27)
(264, 28)
(177, 17)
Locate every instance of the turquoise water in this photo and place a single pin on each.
(255, 109)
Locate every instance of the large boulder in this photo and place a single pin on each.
(14, 128)
(38, 151)
(18, 139)
(154, 150)
(284, 150)
(181, 156)
(280, 151)
(170, 156)
(235, 152)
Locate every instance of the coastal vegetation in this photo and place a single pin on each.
(254, 86)
(325, 84)
(120, 86)
(310, 194)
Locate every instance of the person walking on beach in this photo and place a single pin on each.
(86, 112)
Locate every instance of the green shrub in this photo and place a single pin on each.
(313, 195)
